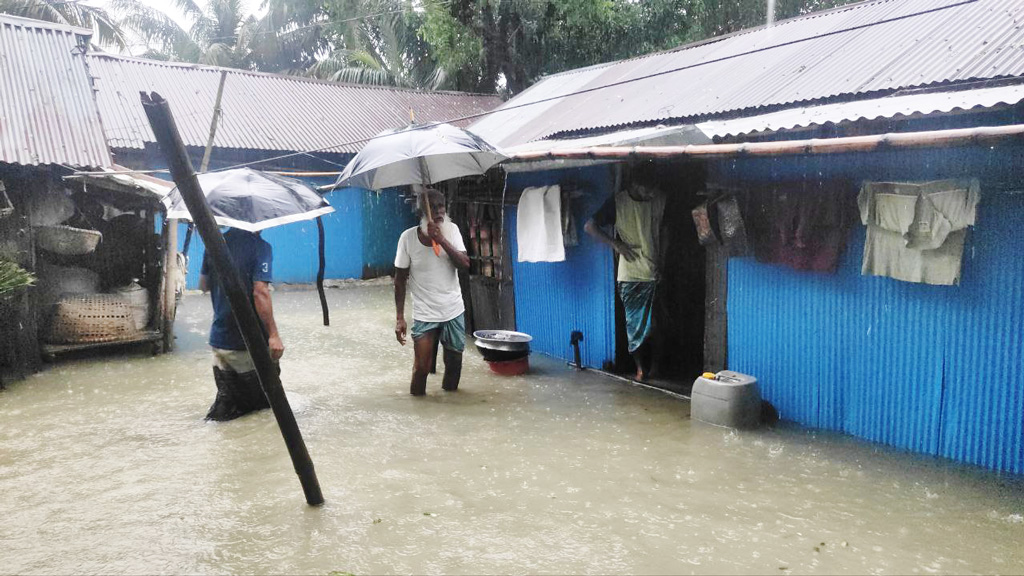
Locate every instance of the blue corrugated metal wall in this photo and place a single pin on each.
(385, 217)
(937, 370)
(553, 299)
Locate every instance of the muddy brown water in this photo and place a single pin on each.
(106, 466)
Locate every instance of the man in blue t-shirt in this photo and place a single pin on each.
(238, 387)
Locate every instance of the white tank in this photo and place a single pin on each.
(727, 399)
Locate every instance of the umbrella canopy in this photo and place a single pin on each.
(252, 200)
(419, 154)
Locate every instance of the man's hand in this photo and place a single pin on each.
(434, 232)
(628, 252)
(276, 347)
(400, 329)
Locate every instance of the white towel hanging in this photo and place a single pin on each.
(539, 225)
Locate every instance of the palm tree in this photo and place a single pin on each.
(106, 29)
(378, 42)
(285, 39)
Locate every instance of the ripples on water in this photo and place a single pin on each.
(107, 467)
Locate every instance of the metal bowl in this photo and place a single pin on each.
(501, 355)
(505, 340)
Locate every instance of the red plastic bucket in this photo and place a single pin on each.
(510, 367)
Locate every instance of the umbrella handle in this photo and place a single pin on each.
(430, 218)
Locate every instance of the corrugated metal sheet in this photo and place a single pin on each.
(889, 107)
(261, 111)
(554, 299)
(863, 49)
(933, 369)
(48, 114)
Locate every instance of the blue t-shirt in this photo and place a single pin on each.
(252, 257)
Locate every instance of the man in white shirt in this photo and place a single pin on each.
(428, 259)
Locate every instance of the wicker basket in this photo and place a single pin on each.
(67, 241)
(91, 318)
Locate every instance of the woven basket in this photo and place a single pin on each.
(67, 241)
(91, 318)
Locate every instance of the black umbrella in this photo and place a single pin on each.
(252, 200)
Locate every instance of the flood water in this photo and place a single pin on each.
(106, 466)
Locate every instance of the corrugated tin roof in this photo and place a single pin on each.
(908, 105)
(48, 114)
(862, 50)
(261, 111)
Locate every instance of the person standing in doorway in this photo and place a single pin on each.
(238, 386)
(634, 213)
(438, 311)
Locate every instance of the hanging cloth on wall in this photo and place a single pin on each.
(803, 225)
(731, 226)
(916, 230)
(539, 225)
(702, 222)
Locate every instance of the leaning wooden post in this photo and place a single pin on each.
(160, 119)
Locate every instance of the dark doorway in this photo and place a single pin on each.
(678, 340)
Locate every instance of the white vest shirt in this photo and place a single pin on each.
(433, 279)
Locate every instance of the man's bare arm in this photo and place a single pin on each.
(595, 231)
(265, 310)
(401, 280)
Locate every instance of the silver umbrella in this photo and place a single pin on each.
(419, 154)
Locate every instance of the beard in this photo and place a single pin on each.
(423, 222)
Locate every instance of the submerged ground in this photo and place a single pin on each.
(106, 466)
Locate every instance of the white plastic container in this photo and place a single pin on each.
(729, 399)
(138, 298)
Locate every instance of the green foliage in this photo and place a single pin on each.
(505, 45)
(378, 42)
(288, 38)
(508, 44)
(106, 28)
(714, 17)
(490, 46)
(13, 277)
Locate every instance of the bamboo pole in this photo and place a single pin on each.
(162, 122)
(205, 164)
(168, 303)
(986, 135)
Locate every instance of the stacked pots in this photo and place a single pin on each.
(506, 352)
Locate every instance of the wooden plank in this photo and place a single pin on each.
(142, 338)
(716, 317)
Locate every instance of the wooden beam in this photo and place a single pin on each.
(980, 136)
